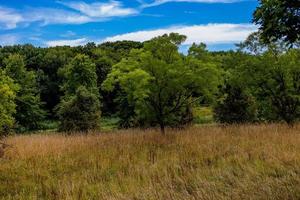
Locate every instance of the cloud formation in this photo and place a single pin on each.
(9, 18)
(72, 13)
(8, 39)
(159, 2)
(101, 10)
(80, 12)
(72, 43)
(209, 33)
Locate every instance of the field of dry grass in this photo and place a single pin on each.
(236, 162)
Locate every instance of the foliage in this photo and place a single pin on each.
(49, 81)
(152, 84)
(7, 103)
(279, 84)
(81, 71)
(159, 83)
(29, 112)
(79, 109)
(80, 112)
(235, 105)
(279, 20)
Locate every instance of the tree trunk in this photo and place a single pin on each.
(162, 128)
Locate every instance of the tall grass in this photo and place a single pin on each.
(234, 162)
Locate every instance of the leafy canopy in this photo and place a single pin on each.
(7, 102)
(79, 109)
(279, 20)
(159, 83)
(29, 112)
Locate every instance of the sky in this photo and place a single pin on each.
(218, 23)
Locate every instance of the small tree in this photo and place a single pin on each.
(7, 103)
(79, 109)
(80, 112)
(235, 105)
(29, 112)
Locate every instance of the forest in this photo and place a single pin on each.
(148, 84)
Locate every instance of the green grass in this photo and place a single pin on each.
(109, 124)
(203, 115)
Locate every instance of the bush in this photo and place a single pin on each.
(80, 112)
(235, 106)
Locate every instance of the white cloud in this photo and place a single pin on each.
(55, 16)
(80, 13)
(209, 33)
(68, 34)
(8, 39)
(101, 10)
(159, 2)
(72, 43)
(9, 18)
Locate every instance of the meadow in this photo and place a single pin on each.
(204, 162)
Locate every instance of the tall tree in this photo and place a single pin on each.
(79, 109)
(159, 83)
(52, 61)
(7, 103)
(29, 112)
(274, 82)
(278, 81)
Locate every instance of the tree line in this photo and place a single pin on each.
(152, 84)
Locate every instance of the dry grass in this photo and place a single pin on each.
(237, 162)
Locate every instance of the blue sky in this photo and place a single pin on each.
(219, 23)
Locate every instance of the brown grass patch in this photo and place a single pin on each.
(233, 162)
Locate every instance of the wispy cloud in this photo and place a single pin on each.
(101, 10)
(76, 42)
(48, 16)
(73, 13)
(209, 33)
(68, 34)
(159, 2)
(9, 39)
(9, 18)
(80, 12)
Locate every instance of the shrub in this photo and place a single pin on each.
(235, 106)
(80, 112)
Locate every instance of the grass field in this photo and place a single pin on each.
(235, 162)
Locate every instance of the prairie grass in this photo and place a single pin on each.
(207, 162)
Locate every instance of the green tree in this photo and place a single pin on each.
(199, 52)
(279, 82)
(7, 103)
(278, 20)
(49, 81)
(79, 109)
(159, 83)
(274, 82)
(29, 112)
(80, 112)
